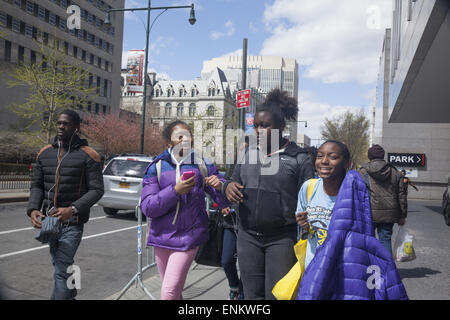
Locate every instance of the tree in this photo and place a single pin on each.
(54, 84)
(120, 133)
(351, 129)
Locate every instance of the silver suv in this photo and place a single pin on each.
(122, 178)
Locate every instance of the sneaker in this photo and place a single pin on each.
(234, 294)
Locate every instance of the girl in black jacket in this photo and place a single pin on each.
(266, 188)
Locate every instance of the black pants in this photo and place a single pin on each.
(264, 260)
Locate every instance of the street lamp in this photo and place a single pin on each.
(306, 123)
(107, 22)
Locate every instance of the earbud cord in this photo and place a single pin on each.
(59, 164)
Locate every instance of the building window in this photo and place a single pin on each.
(3, 19)
(30, 7)
(210, 112)
(15, 25)
(168, 110)
(210, 125)
(192, 110)
(18, 3)
(52, 19)
(7, 50)
(75, 52)
(33, 57)
(28, 30)
(21, 54)
(180, 110)
(156, 110)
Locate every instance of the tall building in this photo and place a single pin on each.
(95, 46)
(264, 73)
(412, 114)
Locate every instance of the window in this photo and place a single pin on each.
(75, 52)
(83, 55)
(210, 125)
(64, 3)
(192, 110)
(210, 112)
(180, 110)
(156, 110)
(15, 25)
(81, 34)
(90, 17)
(41, 13)
(28, 30)
(62, 24)
(30, 7)
(21, 54)
(18, 3)
(33, 57)
(52, 19)
(97, 108)
(66, 47)
(7, 50)
(2, 19)
(168, 110)
(91, 59)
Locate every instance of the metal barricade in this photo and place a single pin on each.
(140, 268)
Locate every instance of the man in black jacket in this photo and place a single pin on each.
(67, 181)
(388, 194)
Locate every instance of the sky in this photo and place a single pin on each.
(337, 45)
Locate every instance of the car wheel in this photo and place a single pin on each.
(110, 211)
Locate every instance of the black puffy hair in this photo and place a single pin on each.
(167, 132)
(76, 119)
(281, 106)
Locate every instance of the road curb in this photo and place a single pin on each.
(14, 199)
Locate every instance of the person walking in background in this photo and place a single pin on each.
(407, 181)
(67, 181)
(229, 252)
(388, 194)
(177, 206)
(267, 201)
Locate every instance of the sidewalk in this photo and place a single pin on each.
(202, 283)
(14, 195)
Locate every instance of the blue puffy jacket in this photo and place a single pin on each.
(352, 263)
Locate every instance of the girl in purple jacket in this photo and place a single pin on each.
(176, 207)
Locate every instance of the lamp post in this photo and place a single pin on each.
(191, 20)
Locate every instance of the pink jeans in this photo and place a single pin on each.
(173, 267)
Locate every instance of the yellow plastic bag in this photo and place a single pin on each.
(287, 287)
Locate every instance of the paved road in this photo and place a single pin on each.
(107, 257)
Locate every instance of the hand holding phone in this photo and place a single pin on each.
(187, 174)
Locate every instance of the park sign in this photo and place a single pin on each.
(243, 98)
(407, 159)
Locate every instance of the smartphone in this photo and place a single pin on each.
(187, 174)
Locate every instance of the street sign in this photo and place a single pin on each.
(407, 159)
(243, 98)
(249, 117)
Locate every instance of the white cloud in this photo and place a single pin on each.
(337, 41)
(315, 112)
(229, 26)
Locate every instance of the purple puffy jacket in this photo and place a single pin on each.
(351, 259)
(159, 202)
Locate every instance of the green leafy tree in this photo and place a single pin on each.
(351, 129)
(54, 83)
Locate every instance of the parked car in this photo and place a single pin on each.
(122, 178)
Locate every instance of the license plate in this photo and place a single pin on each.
(125, 185)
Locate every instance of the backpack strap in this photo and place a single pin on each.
(309, 191)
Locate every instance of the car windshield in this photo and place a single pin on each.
(126, 168)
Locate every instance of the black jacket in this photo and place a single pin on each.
(270, 198)
(388, 192)
(77, 182)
